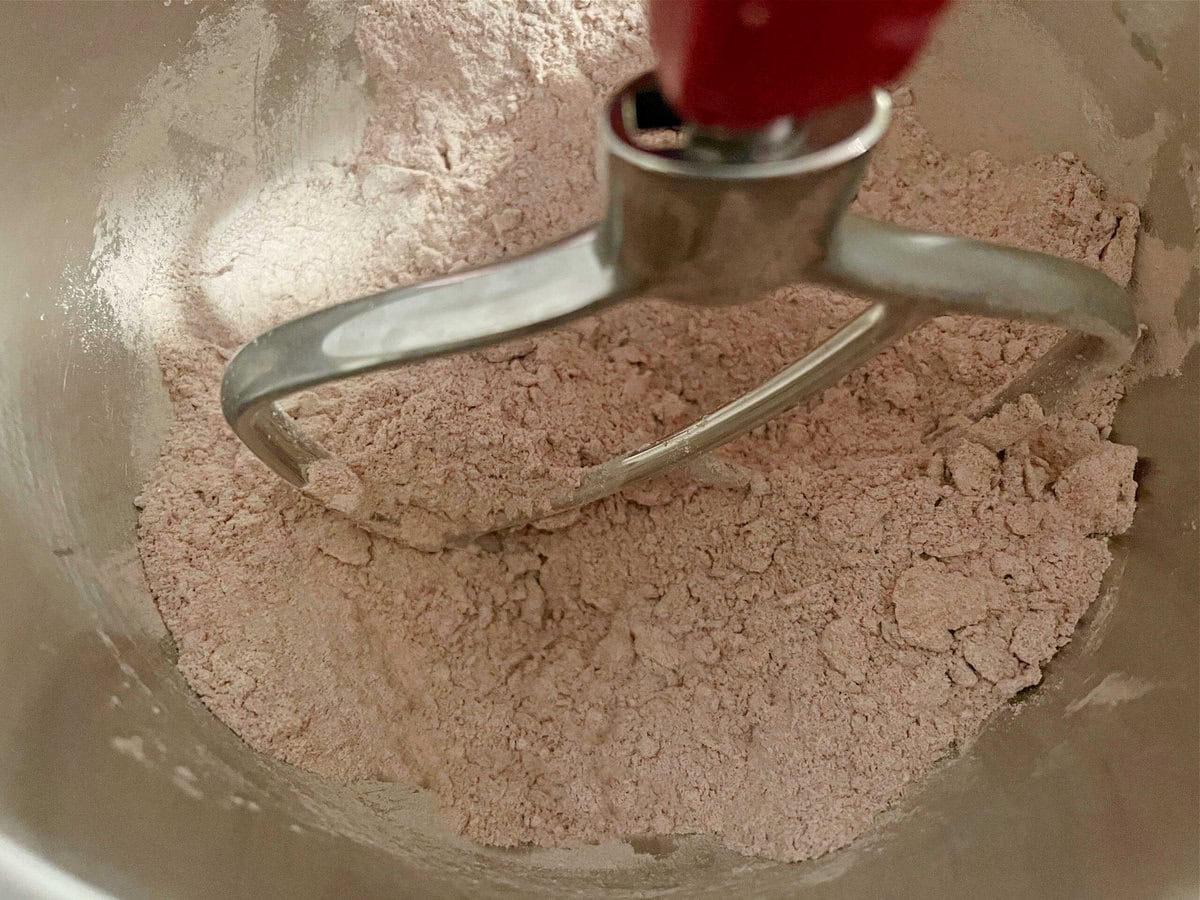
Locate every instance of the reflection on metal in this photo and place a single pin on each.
(711, 223)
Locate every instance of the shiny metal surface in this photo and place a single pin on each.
(714, 228)
(1086, 788)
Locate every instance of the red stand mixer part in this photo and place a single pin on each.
(739, 64)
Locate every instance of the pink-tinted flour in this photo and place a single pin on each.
(769, 650)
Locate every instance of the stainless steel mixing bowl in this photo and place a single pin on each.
(114, 778)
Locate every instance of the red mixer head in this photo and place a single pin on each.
(739, 64)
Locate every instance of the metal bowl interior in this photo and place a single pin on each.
(113, 776)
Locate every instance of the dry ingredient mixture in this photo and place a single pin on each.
(769, 651)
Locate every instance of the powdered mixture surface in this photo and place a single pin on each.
(770, 651)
